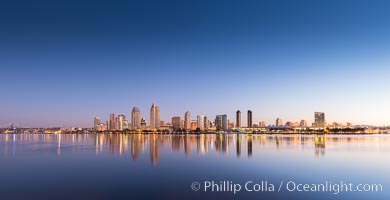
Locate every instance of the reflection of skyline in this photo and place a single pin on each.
(138, 145)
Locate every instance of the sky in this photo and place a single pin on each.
(63, 62)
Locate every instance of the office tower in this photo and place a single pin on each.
(221, 122)
(319, 120)
(303, 123)
(176, 123)
(249, 119)
(279, 122)
(111, 125)
(202, 122)
(162, 123)
(238, 119)
(187, 120)
(135, 118)
(96, 122)
(121, 118)
(155, 116)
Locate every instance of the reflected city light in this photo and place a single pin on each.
(135, 145)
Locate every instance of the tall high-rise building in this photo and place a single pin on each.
(279, 122)
(96, 123)
(319, 120)
(135, 118)
(221, 122)
(238, 119)
(154, 116)
(303, 123)
(202, 122)
(111, 125)
(249, 119)
(121, 118)
(187, 120)
(176, 122)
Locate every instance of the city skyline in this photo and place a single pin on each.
(65, 62)
(221, 122)
(155, 108)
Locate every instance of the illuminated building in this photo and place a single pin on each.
(319, 120)
(187, 120)
(176, 121)
(96, 122)
(154, 116)
(221, 122)
(135, 118)
(262, 124)
(249, 119)
(279, 122)
(202, 122)
(238, 119)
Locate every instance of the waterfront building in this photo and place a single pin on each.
(176, 122)
(221, 122)
(96, 122)
(238, 119)
(319, 120)
(187, 120)
(125, 124)
(111, 125)
(279, 122)
(202, 122)
(303, 123)
(155, 116)
(249, 119)
(101, 127)
(194, 125)
(120, 120)
(135, 118)
(143, 123)
(262, 124)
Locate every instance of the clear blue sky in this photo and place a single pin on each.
(65, 61)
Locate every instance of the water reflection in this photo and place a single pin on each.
(139, 145)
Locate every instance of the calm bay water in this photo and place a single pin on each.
(117, 166)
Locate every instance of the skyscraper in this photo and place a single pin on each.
(202, 122)
(154, 116)
(135, 118)
(319, 120)
(176, 123)
(238, 119)
(249, 119)
(221, 122)
(303, 123)
(121, 118)
(187, 120)
(111, 125)
(279, 122)
(96, 123)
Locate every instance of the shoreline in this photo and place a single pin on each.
(192, 134)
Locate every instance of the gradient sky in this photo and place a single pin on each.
(65, 61)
